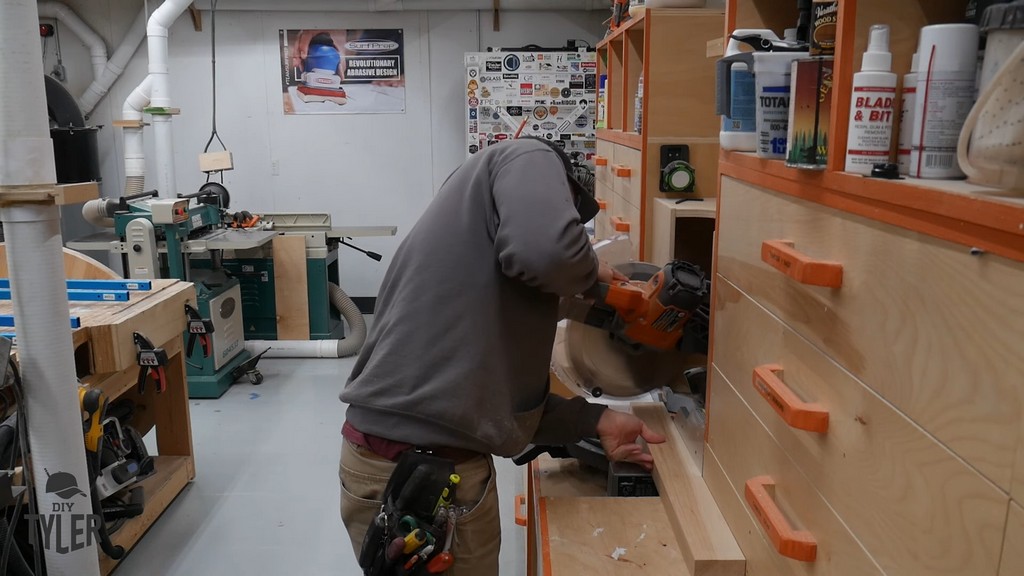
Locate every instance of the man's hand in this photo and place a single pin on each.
(607, 275)
(618, 433)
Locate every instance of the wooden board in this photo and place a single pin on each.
(609, 536)
(566, 478)
(916, 317)
(59, 194)
(171, 477)
(290, 287)
(669, 224)
(916, 507)
(708, 546)
(746, 450)
(1012, 563)
(1017, 487)
(76, 265)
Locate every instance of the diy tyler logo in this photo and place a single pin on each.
(84, 527)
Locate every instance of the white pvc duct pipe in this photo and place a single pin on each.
(67, 17)
(153, 91)
(113, 68)
(409, 5)
(320, 348)
(35, 252)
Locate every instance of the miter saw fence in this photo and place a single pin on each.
(668, 312)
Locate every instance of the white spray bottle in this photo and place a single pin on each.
(872, 106)
(909, 108)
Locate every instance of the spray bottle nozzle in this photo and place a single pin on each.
(878, 58)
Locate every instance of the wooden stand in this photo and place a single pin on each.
(105, 359)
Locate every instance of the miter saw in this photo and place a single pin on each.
(638, 340)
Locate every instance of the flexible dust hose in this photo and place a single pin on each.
(320, 348)
(39, 300)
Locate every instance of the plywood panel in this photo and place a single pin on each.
(290, 287)
(933, 329)
(915, 506)
(1012, 563)
(610, 536)
(746, 450)
(679, 83)
(77, 266)
(704, 538)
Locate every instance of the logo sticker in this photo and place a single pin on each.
(474, 102)
(566, 93)
(511, 62)
(582, 122)
(540, 112)
(492, 66)
(514, 110)
(472, 114)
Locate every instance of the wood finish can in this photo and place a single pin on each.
(824, 27)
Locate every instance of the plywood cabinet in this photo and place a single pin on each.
(668, 48)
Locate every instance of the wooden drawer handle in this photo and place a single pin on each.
(619, 224)
(623, 171)
(796, 544)
(781, 255)
(601, 204)
(521, 509)
(794, 411)
(600, 161)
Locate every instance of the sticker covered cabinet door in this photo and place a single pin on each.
(550, 95)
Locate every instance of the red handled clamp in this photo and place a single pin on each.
(198, 329)
(150, 358)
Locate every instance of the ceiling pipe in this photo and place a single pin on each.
(113, 68)
(35, 258)
(67, 17)
(154, 92)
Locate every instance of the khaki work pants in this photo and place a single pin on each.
(364, 476)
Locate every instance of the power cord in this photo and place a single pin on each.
(213, 68)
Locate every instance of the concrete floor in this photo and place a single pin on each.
(266, 496)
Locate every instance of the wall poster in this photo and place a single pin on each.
(342, 71)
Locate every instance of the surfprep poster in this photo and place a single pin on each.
(343, 71)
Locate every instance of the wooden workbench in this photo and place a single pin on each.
(573, 528)
(105, 358)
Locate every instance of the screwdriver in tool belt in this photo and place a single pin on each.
(445, 559)
(448, 494)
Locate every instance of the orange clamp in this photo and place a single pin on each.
(796, 544)
(619, 224)
(521, 509)
(623, 171)
(794, 411)
(600, 161)
(781, 255)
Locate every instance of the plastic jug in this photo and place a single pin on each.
(735, 98)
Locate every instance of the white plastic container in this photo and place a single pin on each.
(739, 122)
(908, 107)
(872, 106)
(773, 73)
(947, 71)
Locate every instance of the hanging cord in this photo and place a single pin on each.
(213, 68)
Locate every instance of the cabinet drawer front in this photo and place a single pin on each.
(756, 549)
(603, 160)
(628, 175)
(915, 506)
(746, 451)
(935, 331)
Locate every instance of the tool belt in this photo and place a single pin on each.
(412, 535)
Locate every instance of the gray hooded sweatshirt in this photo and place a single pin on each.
(460, 348)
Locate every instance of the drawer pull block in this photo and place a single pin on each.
(796, 544)
(781, 255)
(600, 161)
(619, 224)
(601, 203)
(521, 509)
(623, 171)
(794, 411)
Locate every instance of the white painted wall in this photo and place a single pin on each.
(362, 169)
